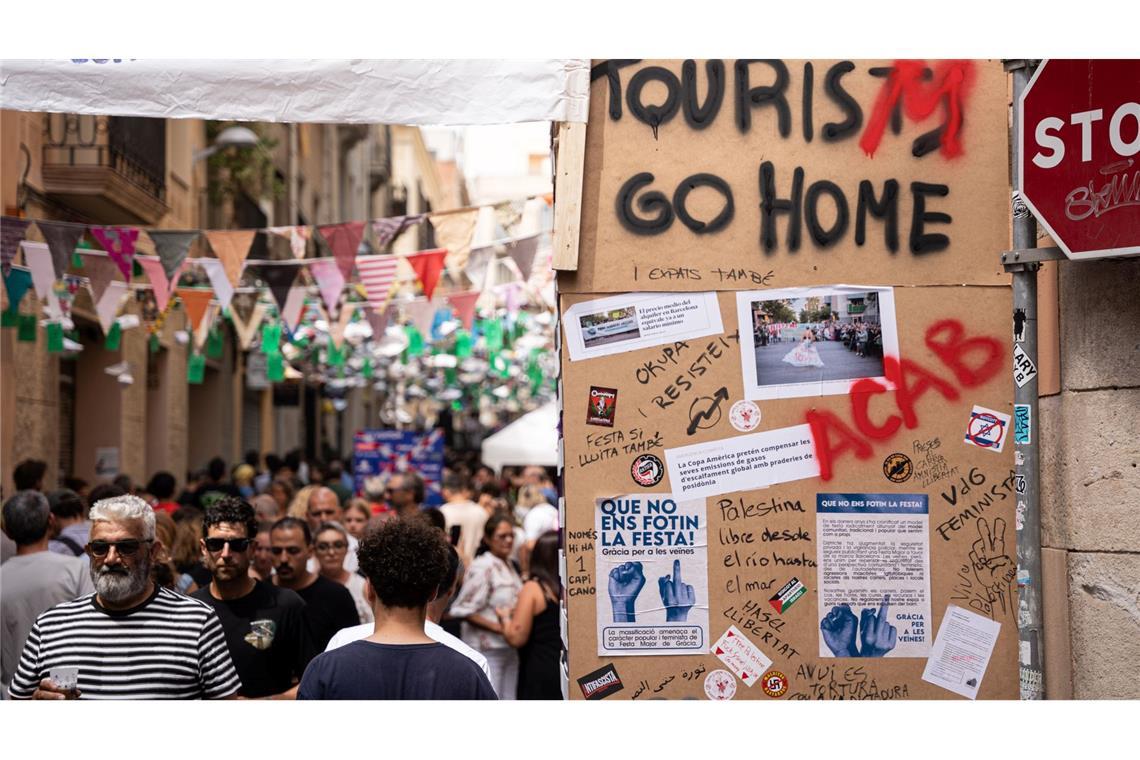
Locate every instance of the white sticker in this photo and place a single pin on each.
(720, 685)
(743, 463)
(744, 416)
(1026, 653)
(741, 656)
(1024, 369)
(987, 429)
(631, 321)
(961, 651)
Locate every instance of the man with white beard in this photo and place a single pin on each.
(130, 639)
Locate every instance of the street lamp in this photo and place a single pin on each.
(230, 137)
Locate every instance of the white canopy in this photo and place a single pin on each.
(414, 92)
(531, 439)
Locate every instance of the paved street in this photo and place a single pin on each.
(839, 363)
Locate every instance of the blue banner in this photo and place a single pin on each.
(871, 503)
(385, 452)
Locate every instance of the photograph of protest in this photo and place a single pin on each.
(611, 326)
(814, 341)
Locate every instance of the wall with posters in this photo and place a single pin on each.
(799, 483)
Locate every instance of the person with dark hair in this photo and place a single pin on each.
(406, 562)
(29, 475)
(213, 488)
(105, 491)
(123, 481)
(405, 493)
(533, 626)
(435, 518)
(262, 566)
(334, 473)
(282, 492)
(71, 526)
(464, 514)
(490, 582)
(79, 485)
(265, 476)
(162, 486)
(35, 580)
(328, 605)
(483, 475)
(265, 626)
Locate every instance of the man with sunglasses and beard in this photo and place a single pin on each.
(265, 625)
(130, 639)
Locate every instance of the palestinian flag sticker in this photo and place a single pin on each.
(787, 595)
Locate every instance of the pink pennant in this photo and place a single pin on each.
(119, 243)
(377, 273)
(163, 288)
(421, 313)
(344, 240)
(330, 281)
(464, 305)
(427, 266)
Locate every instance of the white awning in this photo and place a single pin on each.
(414, 92)
(531, 439)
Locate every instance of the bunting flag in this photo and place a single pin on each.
(512, 300)
(119, 243)
(298, 237)
(156, 272)
(522, 252)
(17, 282)
(245, 325)
(12, 231)
(280, 279)
(201, 331)
(38, 258)
(195, 301)
(377, 273)
(232, 248)
(421, 313)
(464, 305)
(343, 240)
(478, 262)
(388, 229)
(100, 270)
(453, 233)
(172, 247)
(336, 330)
(242, 305)
(330, 281)
(294, 305)
(508, 214)
(378, 320)
(223, 288)
(61, 238)
(108, 304)
(427, 266)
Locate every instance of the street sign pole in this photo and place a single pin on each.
(1027, 461)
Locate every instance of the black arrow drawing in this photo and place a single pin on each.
(696, 418)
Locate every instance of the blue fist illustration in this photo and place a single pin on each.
(839, 627)
(626, 582)
(876, 636)
(677, 596)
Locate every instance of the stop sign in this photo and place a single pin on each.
(1080, 154)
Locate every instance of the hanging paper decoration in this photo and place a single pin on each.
(415, 340)
(343, 240)
(388, 229)
(493, 330)
(366, 369)
(294, 305)
(17, 282)
(100, 271)
(335, 355)
(427, 266)
(421, 313)
(464, 305)
(336, 330)
(477, 263)
(215, 343)
(462, 344)
(195, 301)
(522, 252)
(61, 238)
(231, 247)
(330, 282)
(38, 258)
(377, 273)
(246, 328)
(219, 280)
(454, 232)
(274, 367)
(512, 299)
(280, 279)
(270, 338)
(114, 338)
(298, 237)
(27, 328)
(172, 246)
(508, 214)
(12, 231)
(54, 338)
(107, 307)
(378, 321)
(195, 369)
(242, 305)
(202, 331)
(119, 243)
(156, 272)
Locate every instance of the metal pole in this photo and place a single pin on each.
(1027, 462)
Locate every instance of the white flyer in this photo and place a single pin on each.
(630, 321)
(961, 651)
(742, 463)
(741, 656)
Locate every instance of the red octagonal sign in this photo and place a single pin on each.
(1080, 154)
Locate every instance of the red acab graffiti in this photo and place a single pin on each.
(950, 84)
(972, 361)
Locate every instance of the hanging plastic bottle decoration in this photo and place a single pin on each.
(494, 332)
(462, 344)
(415, 341)
(115, 336)
(195, 369)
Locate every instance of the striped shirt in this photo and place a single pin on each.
(168, 647)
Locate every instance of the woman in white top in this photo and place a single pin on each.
(804, 354)
(492, 582)
(331, 547)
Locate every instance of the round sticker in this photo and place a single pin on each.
(774, 683)
(647, 470)
(744, 416)
(720, 685)
(898, 468)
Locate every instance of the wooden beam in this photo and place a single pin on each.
(569, 159)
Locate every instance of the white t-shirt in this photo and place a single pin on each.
(540, 519)
(433, 631)
(470, 518)
(29, 586)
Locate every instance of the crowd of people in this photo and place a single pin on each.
(274, 580)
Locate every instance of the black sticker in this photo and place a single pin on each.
(601, 683)
(647, 470)
(898, 468)
(603, 404)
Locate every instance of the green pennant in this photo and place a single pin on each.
(462, 344)
(451, 377)
(274, 367)
(457, 405)
(270, 339)
(27, 328)
(54, 338)
(366, 369)
(415, 341)
(494, 332)
(115, 338)
(336, 355)
(215, 343)
(153, 343)
(196, 369)
(9, 319)
(76, 261)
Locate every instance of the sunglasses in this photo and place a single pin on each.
(236, 544)
(324, 546)
(126, 548)
(292, 550)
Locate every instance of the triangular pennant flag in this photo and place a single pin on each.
(454, 232)
(61, 238)
(223, 288)
(195, 301)
(298, 237)
(508, 214)
(464, 305)
(100, 270)
(38, 258)
(242, 306)
(330, 281)
(421, 313)
(477, 263)
(377, 273)
(336, 331)
(387, 229)
(246, 326)
(427, 266)
(172, 247)
(17, 283)
(378, 320)
(343, 240)
(156, 273)
(12, 231)
(119, 243)
(201, 331)
(280, 279)
(522, 252)
(294, 305)
(108, 304)
(231, 247)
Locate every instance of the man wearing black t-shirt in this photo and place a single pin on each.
(405, 562)
(265, 626)
(328, 605)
